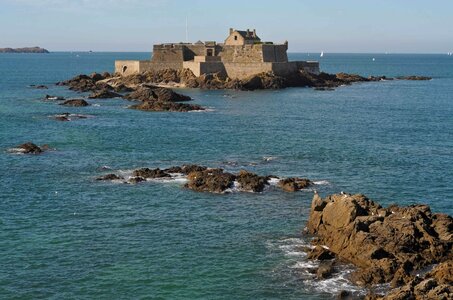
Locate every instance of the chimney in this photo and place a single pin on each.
(248, 32)
(254, 32)
(231, 30)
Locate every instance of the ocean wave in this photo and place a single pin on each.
(321, 182)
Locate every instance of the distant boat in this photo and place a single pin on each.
(322, 54)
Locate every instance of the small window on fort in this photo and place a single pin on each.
(235, 37)
(209, 52)
(124, 68)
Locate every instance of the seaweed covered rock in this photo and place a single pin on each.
(210, 180)
(382, 242)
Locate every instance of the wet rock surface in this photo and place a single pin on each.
(413, 77)
(75, 103)
(386, 244)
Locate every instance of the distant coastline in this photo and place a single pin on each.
(24, 50)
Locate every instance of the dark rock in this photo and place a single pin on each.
(251, 182)
(186, 169)
(110, 177)
(121, 88)
(294, 184)
(152, 93)
(344, 295)
(103, 94)
(150, 173)
(210, 180)
(75, 103)
(28, 148)
(165, 106)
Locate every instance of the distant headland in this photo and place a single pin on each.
(24, 50)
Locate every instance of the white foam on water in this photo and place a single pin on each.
(16, 150)
(321, 182)
(202, 110)
(96, 104)
(273, 181)
(269, 158)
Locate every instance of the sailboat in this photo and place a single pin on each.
(322, 54)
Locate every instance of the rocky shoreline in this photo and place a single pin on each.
(387, 245)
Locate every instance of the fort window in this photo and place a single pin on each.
(235, 37)
(124, 68)
(209, 52)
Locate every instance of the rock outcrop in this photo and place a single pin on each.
(153, 93)
(386, 244)
(109, 177)
(29, 148)
(150, 173)
(251, 182)
(75, 103)
(294, 184)
(413, 77)
(210, 180)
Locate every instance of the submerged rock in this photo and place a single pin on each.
(137, 179)
(166, 106)
(294, 184)
(414, 77)
(65, 117)
(381, 242)
(39, 87)
(75, 103)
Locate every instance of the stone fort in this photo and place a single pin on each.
(241, 55)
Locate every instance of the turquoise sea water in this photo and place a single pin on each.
(65, 236)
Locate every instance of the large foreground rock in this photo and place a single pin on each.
(386, 244)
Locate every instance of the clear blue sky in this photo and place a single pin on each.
(404, 26)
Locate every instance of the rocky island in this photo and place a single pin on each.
(24, 50)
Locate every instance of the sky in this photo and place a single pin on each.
(351, 26)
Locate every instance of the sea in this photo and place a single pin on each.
(64, 235)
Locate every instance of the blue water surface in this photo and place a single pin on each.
(66, 236)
